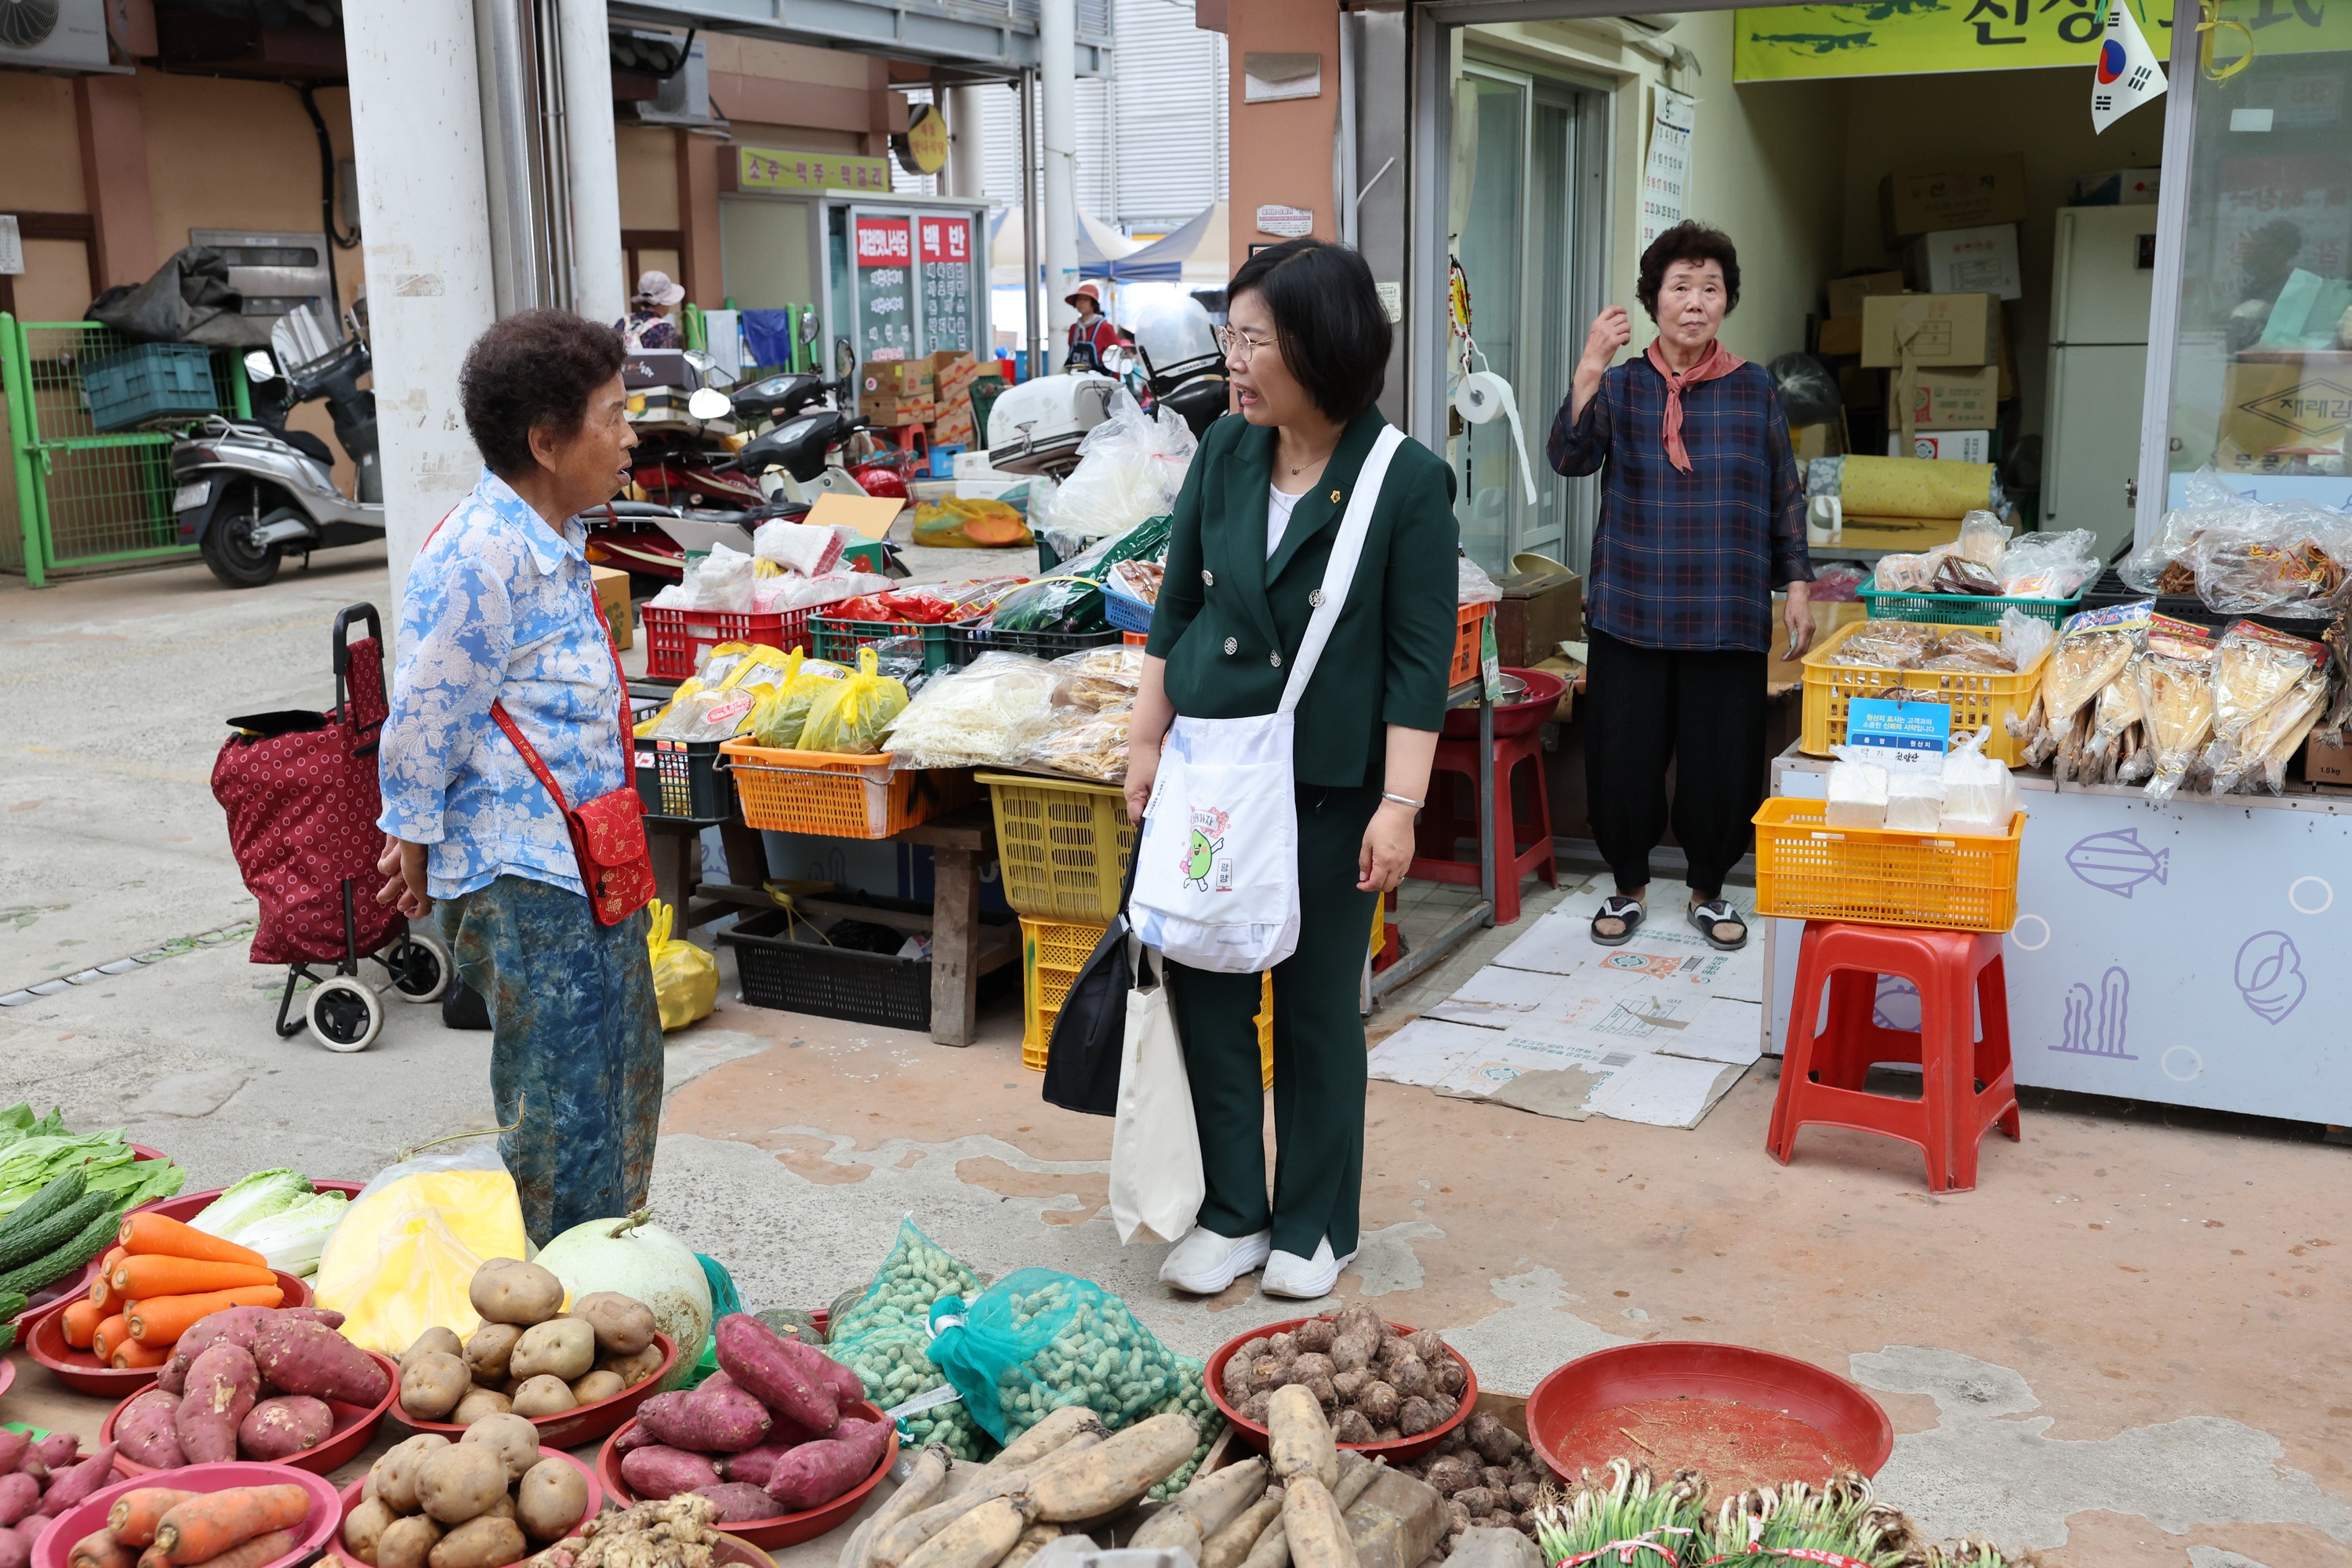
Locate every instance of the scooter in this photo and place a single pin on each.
(251, 491)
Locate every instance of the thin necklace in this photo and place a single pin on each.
(1298, 469)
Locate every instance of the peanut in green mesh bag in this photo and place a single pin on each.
(884, 1336)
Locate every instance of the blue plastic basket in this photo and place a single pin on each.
(1127, 614)
(150, 381)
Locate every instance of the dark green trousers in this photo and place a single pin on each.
(1318, 1052)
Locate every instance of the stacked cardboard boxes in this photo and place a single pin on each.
(897, 392)
(953, 375)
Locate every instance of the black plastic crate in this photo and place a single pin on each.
(2110, 589)
(683, 779)
(784, 964)
(968, 643)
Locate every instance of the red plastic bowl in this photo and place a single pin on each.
(7, 1374)
(188, 1206)
(45, 1342)
(582, 1423)
(352, 1494)
(1533, 706)
(1667, 1369)
(1397, 1448)
(784, 1529)
(88, 1516)
(354, 1424)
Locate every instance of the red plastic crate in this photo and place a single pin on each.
(675, 638)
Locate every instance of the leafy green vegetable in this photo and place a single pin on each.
(293, 1238)
(34, 1151)
(257, 1196)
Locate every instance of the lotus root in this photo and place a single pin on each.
(1316, 1334)
(1350, 1386)
(1350, 1426)
(1265, 1374)
(1352, 1349)
(1380, 1401)
(1411, 1376)
(1415, 1416)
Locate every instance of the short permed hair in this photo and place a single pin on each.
(1692, 242)
(1332, 330)
(535, 368)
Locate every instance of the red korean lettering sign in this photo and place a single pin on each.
(945, 239)
(884, 242)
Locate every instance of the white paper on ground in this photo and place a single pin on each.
(1550, 1077)
(1424, 1051)
(1663, 1091)
(1665, 947)
(1537, 1065)
(1605, 1006)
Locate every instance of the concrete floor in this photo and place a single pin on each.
(2126, 1347)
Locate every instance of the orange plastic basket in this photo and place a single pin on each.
(1052, 953)
(1470, 621)
(838, 794)
(1809, 872)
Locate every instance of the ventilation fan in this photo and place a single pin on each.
(53, 34)
(26, 24)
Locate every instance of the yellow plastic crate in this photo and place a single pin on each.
(1806, 870)
(1062, 846)
(1978, 701)
(1052, 953)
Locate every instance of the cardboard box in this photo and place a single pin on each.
(2279, 411)
(1859, 388)
(1957, 399)
(613, 599)
(1966, 261)
(2326, 762)
(1943, 446)
(1539, 610)
(887, 408)
(1823, 440)
(1839, 337)
(902, 378)
(1961, 194)
(2116, 188)
(1846, 294)
(1962, 330)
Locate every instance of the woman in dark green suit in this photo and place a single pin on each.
(1307, 349)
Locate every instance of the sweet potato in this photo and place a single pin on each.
(758, 1361)
(300, 1356)
(633, 1436)
(285, 1425)
(741, 1501)
(486, 1542)
(136, 1512)
(658, 1472)
(57, 1450)
(145, 1431)
(16, 1551)
(815, 1473)
(99, 1549)
(69, 1487)
(222, 1386)
(822, 1368)
(550, 1500)
(13, 1447)
(171, 1377)
(726, 1420)
(20, 1494)
(754, 1465)
(199, 1528)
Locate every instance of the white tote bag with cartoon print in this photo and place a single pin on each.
(1216, 878)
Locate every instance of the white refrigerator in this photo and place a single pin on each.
(2101, 283)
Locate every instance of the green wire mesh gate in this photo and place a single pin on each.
(81, 498)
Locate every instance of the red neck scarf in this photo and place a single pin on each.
(1717, 360)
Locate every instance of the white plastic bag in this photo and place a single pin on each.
(2049, 565)
(1157, 1184)
(725, 580)
(1914, 800)
(1130, 467)
(799, 547)
(2024, 638)
(1471, 584)
(1857, 796)
(1980, 797)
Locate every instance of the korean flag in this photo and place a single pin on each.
(2126, 75)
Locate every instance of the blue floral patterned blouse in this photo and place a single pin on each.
(499, 607)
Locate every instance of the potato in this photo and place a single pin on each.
(407, 1542)
(483, 1543)
(634, 1369)
(461, 1482)
(479, 1402)
(624, 1324)
(512, 1439)
(550, 1500)
(561, 1347)
(597, 1386)
(545, 1394)
(431, 1383)
(487, 1352)
(444, 1340)
(509, 1290)
(502, 1508)
(395, 1473)
(365, 1528)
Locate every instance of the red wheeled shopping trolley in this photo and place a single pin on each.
(299, 788)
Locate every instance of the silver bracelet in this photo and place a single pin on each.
(1404, 800)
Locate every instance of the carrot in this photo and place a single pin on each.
(110, 1332)
(79, 1322)
(162, 1320)
(136, 1513)
(253, 1553)
(144, 1234)
(141, 1276)
(130, 1355)
(202, 1527)
(102, 1293)
(152, 1557)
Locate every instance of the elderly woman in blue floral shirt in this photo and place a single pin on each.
(498, 607)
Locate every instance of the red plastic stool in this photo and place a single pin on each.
(1526, 847)
(1967, 1081)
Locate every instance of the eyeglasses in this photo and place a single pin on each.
(1236, 343)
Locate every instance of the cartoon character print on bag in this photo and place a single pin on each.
(1204, 851)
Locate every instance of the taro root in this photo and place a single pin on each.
(1380, 1401)
(1358, 1318)
(1448, 1474)
(1350, 1426)
(1411, 1376)
(1284, 1348)
(1453, 1377)
(1316, 1334)
(1495, 1443)
(1350, 1386)
(1524, 1495)
(1497, 1479)
(1415, 1416)
(1478, 1499)
(1310, 1365)
(1392, 1351)
(1237, 1380)
(1427, 1343)
(1352, 1350)
(1389, 1434)
(1265, 1374)
(1458, 1515)
(1253, 1349)
(1320, 1385)
(1445, 1405)
(1254, 1408)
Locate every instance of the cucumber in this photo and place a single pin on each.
(54, 1199)
(7, 1335)
(84, 1244)
(27, 1242)
(12, 1302)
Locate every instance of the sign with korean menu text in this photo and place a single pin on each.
(943, 256)
(1908, 37)
(772, 169)
(885, 321)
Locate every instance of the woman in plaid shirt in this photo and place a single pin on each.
(1702, 520)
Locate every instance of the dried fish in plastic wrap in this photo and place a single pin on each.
(1966, 650)
(1086, 744)
(2115, 726)
(2337, 722)
(2255, 670)
(2176, 695)
(2093, 649)
(1886, 645)
(2274, 742)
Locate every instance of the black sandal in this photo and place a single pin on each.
(1709, 913)
(1626, 912)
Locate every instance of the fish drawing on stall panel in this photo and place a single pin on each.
(2117, 862)
(2270, 976)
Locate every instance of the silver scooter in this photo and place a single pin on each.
(250, 491)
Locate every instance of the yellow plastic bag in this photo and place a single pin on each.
(853, 715)
(783, 712)
(686, 978)
(403, 1256)
(968, 523)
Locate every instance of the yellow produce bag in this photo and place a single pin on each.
(962, 523)
(783, 712)
(686, 978)
(404, 1254)
(853, 714)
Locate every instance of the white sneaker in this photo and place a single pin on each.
(1304, 1278)
(1205, 1263)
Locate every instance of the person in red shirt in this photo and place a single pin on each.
(1092, 335)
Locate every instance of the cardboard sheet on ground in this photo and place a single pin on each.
(1609, 1006)
(1664, 1090)
(1551, 1078)
(1665, 948)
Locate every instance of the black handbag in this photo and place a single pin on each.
(1089, 1037)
